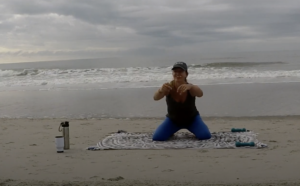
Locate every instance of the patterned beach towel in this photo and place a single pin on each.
(180, 140)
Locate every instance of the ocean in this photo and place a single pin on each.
(124, 87)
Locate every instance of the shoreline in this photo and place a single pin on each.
(116, 182)
(28, 155)
(158, 118)
(218, 101)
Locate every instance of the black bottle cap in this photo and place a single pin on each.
(65, 124)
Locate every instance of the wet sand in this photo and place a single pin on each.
(28, 155)
(238, 100)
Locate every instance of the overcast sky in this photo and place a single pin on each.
(34, 30)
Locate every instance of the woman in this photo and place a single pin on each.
(182, 111)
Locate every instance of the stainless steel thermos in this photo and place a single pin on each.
(64, 128)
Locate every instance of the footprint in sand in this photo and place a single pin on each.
(274, 147)
(47, 127)
(93, 177)
(168, 170)
(116, 178)
(86, 124)
(6, 181)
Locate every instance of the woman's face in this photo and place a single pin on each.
(179, 74)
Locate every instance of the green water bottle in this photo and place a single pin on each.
(238, 130)
(240, 144)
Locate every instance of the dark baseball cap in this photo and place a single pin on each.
(181, 65)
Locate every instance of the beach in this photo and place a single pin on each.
(28, 155)
(102, 68)
(99, 99)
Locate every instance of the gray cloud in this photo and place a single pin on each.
(95, 28)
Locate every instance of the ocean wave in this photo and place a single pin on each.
(128, 70)
(234, 64)
(130, 75)
(23, 72)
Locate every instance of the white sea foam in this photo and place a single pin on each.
(148, 76)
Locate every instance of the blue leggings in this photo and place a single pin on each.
(168, 128)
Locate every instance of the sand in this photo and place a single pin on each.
(257, 99)
(28, 155)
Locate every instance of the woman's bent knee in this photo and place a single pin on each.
(204, 135)
(200, 129)
(159, 138)
(164, 131)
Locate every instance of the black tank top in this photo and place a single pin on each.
(182, 114)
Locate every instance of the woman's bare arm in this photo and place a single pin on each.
(163, 91)
(158, 95)
(196, 91)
